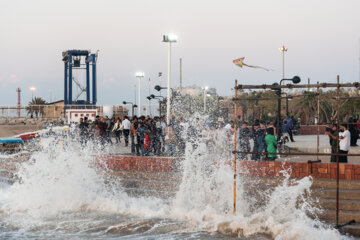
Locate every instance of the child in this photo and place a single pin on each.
(271, 144)
(147, 143)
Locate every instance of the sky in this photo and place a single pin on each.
(322, 38)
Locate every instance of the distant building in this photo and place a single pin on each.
(74, 115)
(120, 112)
(112, 111)
(54, 109)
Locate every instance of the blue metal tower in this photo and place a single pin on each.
(72, 59)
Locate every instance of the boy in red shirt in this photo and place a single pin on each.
(147, 143)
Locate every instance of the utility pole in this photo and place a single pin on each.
(19, 100)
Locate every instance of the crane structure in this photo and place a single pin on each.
(80, 59)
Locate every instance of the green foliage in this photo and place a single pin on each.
(35, 107)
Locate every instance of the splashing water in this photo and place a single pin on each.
(60, 194)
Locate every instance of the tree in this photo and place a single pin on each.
(36, 107)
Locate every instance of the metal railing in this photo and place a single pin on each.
(337, 85)
(14, 112)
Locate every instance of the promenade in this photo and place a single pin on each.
(302, 144)
(308, 144)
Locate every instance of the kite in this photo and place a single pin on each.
(240, 62)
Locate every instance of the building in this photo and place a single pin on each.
(74, 115)
(54, 109)
(120, 112)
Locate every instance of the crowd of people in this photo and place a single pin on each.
(144, 135)
(153, 136)
(343, 137)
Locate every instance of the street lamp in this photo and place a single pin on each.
(171, 38)
(158, 88)
(139, 76)
(32, 89)
(294, 80)
(288, 97)
(283, 49)
(205, 89)
(132, 106)
(152, 96)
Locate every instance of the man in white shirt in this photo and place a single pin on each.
(344, 143)
(126, 129)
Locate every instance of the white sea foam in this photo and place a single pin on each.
(61, 178)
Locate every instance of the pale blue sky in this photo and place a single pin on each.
(322, 37)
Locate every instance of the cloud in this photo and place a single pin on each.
(10, 79)
(107, 81)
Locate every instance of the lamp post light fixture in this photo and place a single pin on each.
(139, 76)
(32, 89)
(288, 97)
(170, 38)
(283, 49)
(152, 96)
(132, 106)
(295, 80)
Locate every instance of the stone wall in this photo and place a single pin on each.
(248, 168)
(311, 129)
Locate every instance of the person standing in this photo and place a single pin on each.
(170, 140)
(108, 129)
(157, 136)
(117, 129)
(126, 129)
(344, 144)
(83, 131)
(141, 136)
(333, 134)
(271, 144)
(290, 125)
(147, 144)
(353, 131)
(244, 143)
(255, 137)
(102, 130)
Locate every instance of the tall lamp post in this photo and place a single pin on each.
(283, 49)
(295, 80)
(171, 38)
(288, 97)
(139, 76)
(32, 89)
(132, 106)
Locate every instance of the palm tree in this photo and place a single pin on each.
(35, 106)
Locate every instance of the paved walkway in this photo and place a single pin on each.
(308, 144)
(303, 143)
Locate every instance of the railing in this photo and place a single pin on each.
(14, 112)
